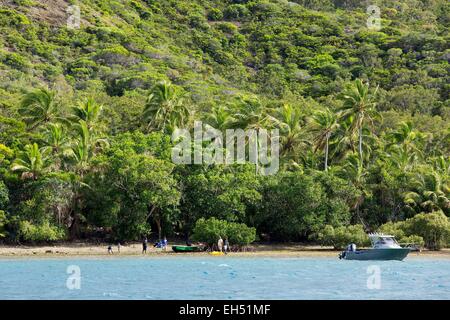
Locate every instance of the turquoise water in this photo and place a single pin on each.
(223, 278)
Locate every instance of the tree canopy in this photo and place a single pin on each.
(87, 114)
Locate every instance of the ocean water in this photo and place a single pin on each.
(203, 277)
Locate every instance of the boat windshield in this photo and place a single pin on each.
(386, 242)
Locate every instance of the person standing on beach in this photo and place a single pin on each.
(220, 244)
(164, 244)
(110, 249)
(226, 246)
(144, 245)
(118, 247)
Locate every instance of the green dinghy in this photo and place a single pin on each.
(186, 249)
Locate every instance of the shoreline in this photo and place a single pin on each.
(70, 250)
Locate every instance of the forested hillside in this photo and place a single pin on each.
(87, 113)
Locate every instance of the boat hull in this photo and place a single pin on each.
(186, 249)
(377, 254)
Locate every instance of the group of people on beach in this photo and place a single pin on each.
(160, 244)
(223, 246)
(110, 250)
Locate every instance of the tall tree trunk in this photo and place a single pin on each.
(153, 212)
(74, 229)
(326, 151)
(360, 145)
(158, 225)
(358, 214)
(257, 152)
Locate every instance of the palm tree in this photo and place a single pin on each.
(165, 107)
(39, 107)
(353, 171)
(88, 111)
(5, 152)
(408, 139)
(359, 109)
(85, 147)
(325, 123)
(442, 165)
(56, 138)
(405, 147)
(288, 120)
(429, 194)
(220, 118)
(343, 144)
(250, 114)
(402, 159)
(32, 162)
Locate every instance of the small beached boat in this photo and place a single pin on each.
(384, 247)
(216, 253)
(186, 248)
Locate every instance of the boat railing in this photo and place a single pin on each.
(411, 246)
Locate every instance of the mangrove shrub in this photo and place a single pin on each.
(342, 236)
(433, 227)
(210, 230)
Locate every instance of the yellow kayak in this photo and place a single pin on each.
(216, 253)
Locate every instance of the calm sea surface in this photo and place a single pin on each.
(223, 278)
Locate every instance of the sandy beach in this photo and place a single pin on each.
(134, 249)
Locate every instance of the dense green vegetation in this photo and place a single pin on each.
(212, 229)
(86, 117)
